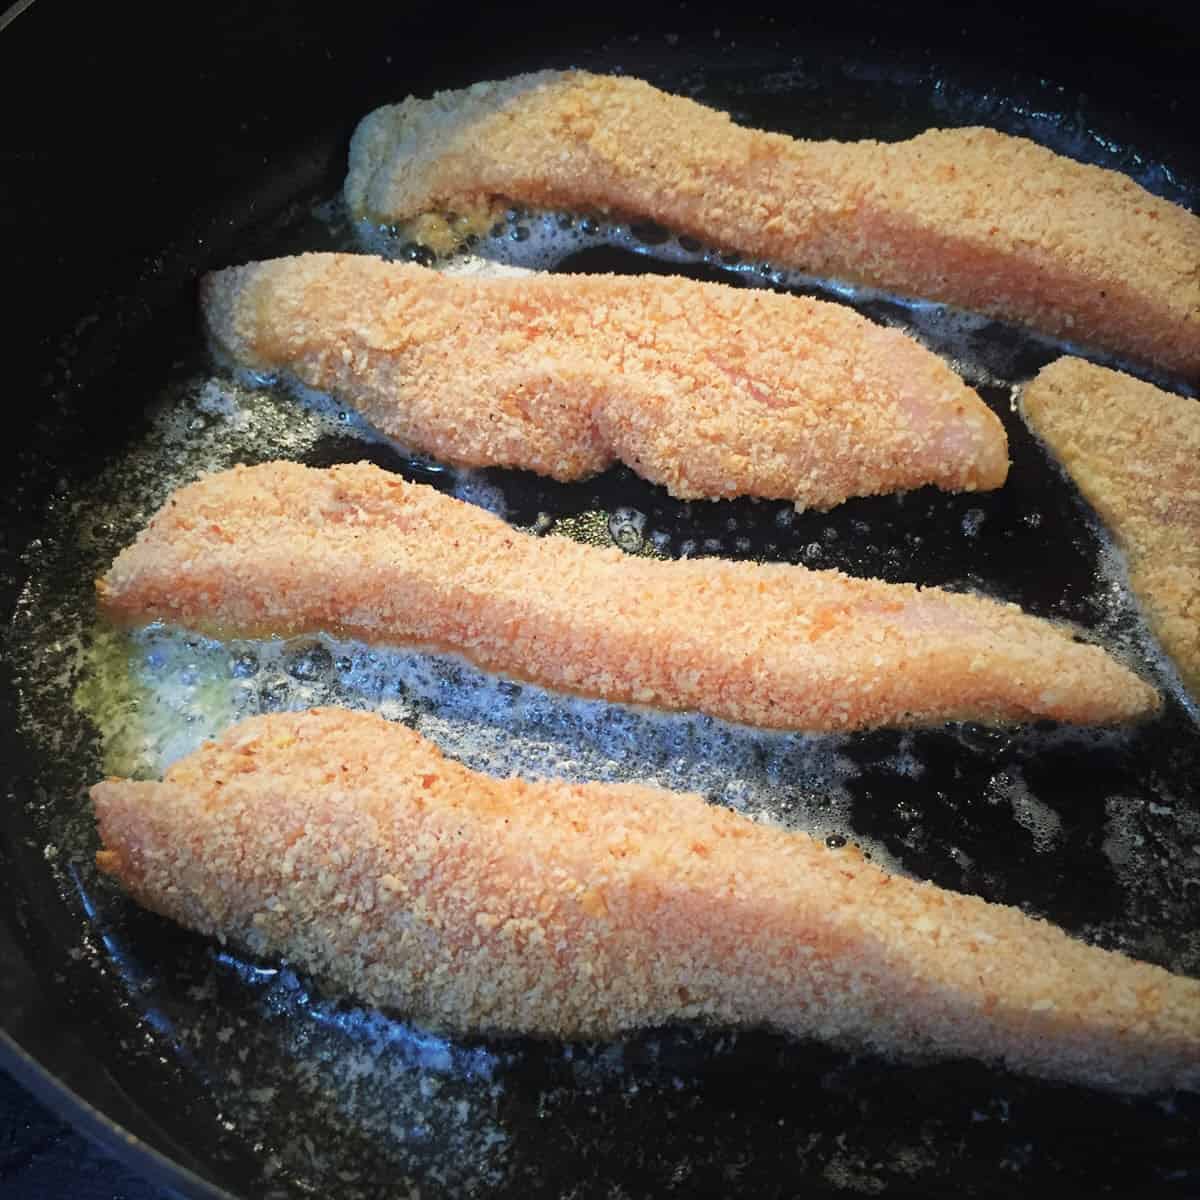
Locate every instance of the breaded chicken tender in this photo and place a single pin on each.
(282, 549)
(709, 390)
(352, 847)
(973, 217)
(1134, 452)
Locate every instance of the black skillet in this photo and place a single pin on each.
(143, 146)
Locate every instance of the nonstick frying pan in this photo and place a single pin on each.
(141, 151)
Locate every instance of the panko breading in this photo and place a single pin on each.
(282, 549)
(973, 217)
(710, 390)
(354, 848)
(1133, 450)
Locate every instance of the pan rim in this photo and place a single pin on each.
(101, 1130)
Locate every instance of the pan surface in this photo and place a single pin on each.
(246, 1074)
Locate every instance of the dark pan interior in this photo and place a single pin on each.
(131, 170)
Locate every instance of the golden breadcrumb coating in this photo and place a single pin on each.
(1134, 452)
(974, 217)
(352, 847)
(285, 549)
(710, 390)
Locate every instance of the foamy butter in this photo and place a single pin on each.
(1042, 822)
(160, 692)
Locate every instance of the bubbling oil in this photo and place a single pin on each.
(161, 691)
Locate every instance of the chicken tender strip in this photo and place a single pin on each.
(1133, 450)
(973, 217)
(353, 847)
(282, 549)
(709, 390)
